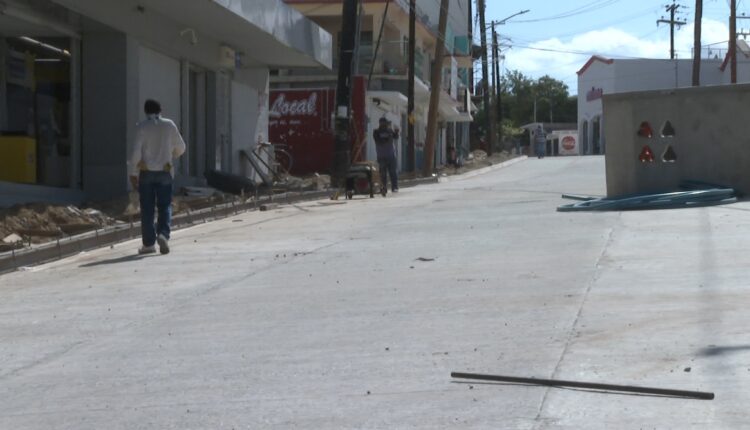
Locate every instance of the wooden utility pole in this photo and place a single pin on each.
(672, 23)
(470, 26)
(377, 45)
(498, 99)
(733, 40)
(490, 132)
(436, 88)
(342, 145)
(697, 51)
(411, 117)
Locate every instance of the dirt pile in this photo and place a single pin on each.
(40, 223)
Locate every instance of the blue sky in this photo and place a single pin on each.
(557, 38)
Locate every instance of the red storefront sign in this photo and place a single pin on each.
(302, 120)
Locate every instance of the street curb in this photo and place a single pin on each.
(65, 247)
(483, 170)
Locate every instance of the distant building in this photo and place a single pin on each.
(311, 137)
(601, 76)
(74, 75)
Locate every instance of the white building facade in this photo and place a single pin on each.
(601, 76)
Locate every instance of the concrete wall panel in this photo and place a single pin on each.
(712, 139)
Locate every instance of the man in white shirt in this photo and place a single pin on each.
(157, 144)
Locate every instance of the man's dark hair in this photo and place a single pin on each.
(152, 107)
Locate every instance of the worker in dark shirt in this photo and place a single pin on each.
(385, 137)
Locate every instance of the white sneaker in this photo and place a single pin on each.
(163, 244)
(147, 250)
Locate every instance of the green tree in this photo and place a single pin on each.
(518, 93)
(553, 103)
(550, 95)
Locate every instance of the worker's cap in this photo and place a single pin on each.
(384, 120)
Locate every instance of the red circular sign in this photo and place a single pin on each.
(569, 143)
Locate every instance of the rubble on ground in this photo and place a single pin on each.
(316, 182)
(38, 222)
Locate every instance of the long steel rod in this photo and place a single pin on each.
(700, 395)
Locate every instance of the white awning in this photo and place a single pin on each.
(449, 110)
(394, 98)
(267, 32)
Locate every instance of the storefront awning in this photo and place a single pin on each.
(449, 110)
(266, 32)
(394, 98)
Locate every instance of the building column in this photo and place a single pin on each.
(109, 99)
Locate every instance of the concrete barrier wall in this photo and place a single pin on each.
(711, 140)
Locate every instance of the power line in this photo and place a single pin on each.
(589, 7)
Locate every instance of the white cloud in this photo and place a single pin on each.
(610, 43)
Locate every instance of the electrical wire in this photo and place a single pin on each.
(590, 7)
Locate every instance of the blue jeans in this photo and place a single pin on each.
(155, 189)
(388, 166)
(540, 149)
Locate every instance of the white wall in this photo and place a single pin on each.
(159, 79)
(249, 112)
(599, 75)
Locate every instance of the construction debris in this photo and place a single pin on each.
(699, 395)
(38, 222)
(679, 199)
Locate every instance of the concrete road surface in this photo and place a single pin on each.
(351, 315)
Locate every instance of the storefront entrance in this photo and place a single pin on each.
(38, 132)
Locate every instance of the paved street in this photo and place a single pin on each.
(328, 315)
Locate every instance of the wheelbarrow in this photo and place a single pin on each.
(360, 179)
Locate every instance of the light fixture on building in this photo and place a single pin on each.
(45, 46)
(193, 36)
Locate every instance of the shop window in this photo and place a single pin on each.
(36, 101)
(596, 133)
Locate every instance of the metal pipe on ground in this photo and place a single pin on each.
(699, 395)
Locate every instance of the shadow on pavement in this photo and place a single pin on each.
(721, 350)
(118, 260)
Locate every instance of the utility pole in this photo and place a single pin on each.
(435, 90)
(672, 23)
(697, 42)
(733, 40)
(498, 99)
(411, 118)
(490, 132)
(471, 45)
(341, 149)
